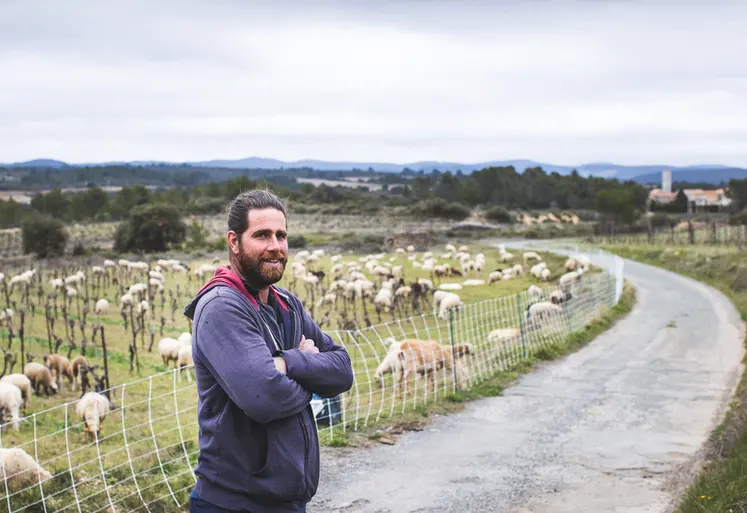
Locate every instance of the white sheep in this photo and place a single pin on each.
(534, 290)
(541, 313)
(450, 302)
(11, 402)
(40, 376)
(169, 350)
(101, 307)
(24, 385)
(92, 409)
(545, 275)
(531, 255)
(503, 335)
(20, 469)
(495, 276)
(184, 359)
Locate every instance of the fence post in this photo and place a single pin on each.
(521, 326)
(451, 340)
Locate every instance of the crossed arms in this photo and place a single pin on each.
(232, 347)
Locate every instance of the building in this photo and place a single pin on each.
(698, 200)
(666, 181)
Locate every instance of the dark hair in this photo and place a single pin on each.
(255, 199)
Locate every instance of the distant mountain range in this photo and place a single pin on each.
(703, 173)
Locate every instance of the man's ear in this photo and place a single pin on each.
(233, 242)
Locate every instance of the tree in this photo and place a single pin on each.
(150, 228)
(738, 193)
(44, 236)
(619, 204)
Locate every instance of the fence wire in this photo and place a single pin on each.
(143, 459)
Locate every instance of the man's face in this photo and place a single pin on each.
(262, 250)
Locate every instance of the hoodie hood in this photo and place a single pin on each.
(227, 277)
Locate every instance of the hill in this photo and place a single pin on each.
(712, 176)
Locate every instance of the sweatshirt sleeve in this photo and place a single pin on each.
(327, 373)
(231, 346)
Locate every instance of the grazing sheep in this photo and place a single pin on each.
(24, 385)
(559, 297)
(535, 291)
(75, 366)
(568, 280)
(102, 306)
(125, 300)
(545, 275)
(539, 314)
(506, 257)
(531, 255)
(169, 350)
(20, 469)
(426, 357)
(495, 276)
(450, 302)
(60, 367)
(503, 335)
(41, 377)
(184, 359)
(11, 402)
(92, 409)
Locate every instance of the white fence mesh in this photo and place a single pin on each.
(144, 456)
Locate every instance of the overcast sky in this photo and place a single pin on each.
(632, 82)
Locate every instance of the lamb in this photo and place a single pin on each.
(20, 469)
(102, 306)
(169, 349)
(60, 367)
(75, 366)
(184, 359)
(11, 402)
(92, 409)
(40, 377)
(24, 385)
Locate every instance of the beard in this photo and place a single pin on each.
(258, 272)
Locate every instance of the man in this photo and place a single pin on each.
(258, 359)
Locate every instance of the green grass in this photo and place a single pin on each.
(721, 485)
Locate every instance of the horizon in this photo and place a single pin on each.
(567, 82)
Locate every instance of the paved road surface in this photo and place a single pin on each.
(613, 427)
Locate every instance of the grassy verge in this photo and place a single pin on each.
(721, 485)
(384, 430)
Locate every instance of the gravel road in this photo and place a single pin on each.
(616, 426)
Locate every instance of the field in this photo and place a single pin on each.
(722, 485)
(148, 444)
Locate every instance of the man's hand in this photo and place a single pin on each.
(280, 364)
(307, 345)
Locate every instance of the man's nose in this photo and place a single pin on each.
(274, 244)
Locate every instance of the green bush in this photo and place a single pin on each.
(739, 218)
(437, 207)
(296, 241)
(150, 228)
(499, 215)
(44, 236)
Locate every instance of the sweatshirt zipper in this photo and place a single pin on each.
(306, 440)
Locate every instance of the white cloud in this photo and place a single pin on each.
(562, 82)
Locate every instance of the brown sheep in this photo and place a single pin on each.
(60, 367)
(40, 376)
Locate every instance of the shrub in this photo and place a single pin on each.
(150, 228)
(437, 207)
(296, 241)
(44, 236)
(739, 218)
(499, 215)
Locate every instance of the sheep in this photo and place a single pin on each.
(537, 269)
(125, 300)
(537, 314)
(18, 469)
(559, 297)
(184, 359)
(531, 255)
(545, 275)
(11, 402)
(450, 302)
(102, 306)
(60, 367)
(328, 298)
(535, 291)
(503, 335)
(506, 257)
(40, 377)
(494, 276)
(75, 366)
(92, 409)
(426, 357)
(24, 385)
(567, 281)
(169, 350)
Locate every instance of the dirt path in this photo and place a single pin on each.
(614, 427)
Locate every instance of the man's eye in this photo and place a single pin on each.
(282, 235)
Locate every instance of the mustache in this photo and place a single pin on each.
(276, 256)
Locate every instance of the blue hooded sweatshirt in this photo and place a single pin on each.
(259, 449)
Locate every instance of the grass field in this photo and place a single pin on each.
(150, 435)
(722, 484)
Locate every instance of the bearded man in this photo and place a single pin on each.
(258, 359)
